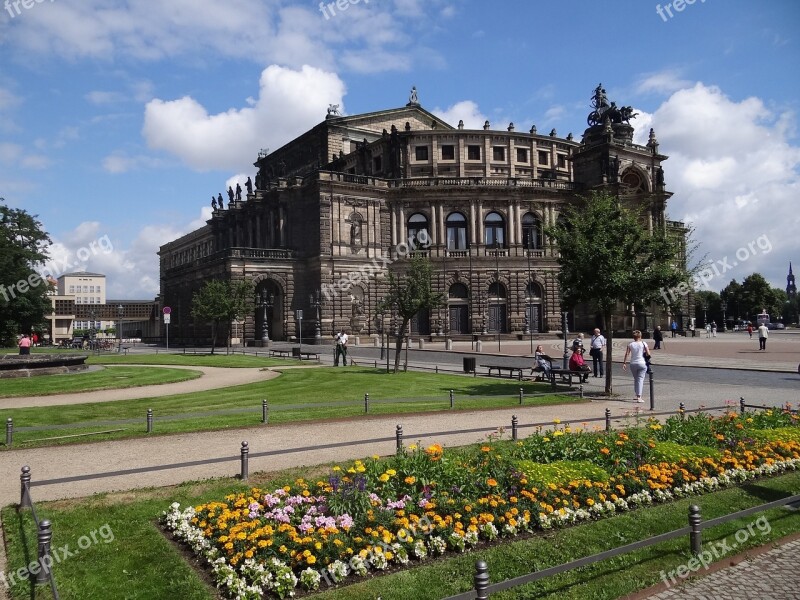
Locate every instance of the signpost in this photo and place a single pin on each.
(167, 313)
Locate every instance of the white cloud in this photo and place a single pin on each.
(120, 162)
(101, 98)
(735, 173)
(289, 103)
(465, 109)
(663, 82)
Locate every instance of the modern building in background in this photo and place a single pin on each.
(80, 306)
(335, 210)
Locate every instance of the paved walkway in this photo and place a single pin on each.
(213, 378)
(772, 575)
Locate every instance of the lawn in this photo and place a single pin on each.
(140, 563)
(105, 379)
(296, 395)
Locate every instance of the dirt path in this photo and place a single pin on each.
(213, 378)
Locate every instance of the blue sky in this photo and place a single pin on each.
(121, 119)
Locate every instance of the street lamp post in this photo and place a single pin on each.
(92, 317)
(705, 314)
(528, 315)
(566, 333)
(497, 283)
(120, 313)
(265, 304)
(381, 324)
(724, 316)
(315, 301)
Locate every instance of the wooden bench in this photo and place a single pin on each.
(281, 353)
(567, 375)
(501, 368)
(299, 355)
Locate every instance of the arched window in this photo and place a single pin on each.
(417, 223)
(497, 290)
(456, 231)
(495, 230)
(533, 292)
(458, 291)
(531, 232)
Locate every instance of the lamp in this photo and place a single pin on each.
(120, 314)
(315, 301)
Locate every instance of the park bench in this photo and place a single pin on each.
(300, 355)
(566, 375)
(512, 371)
(280, 353)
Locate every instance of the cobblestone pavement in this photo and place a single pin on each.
(772, 575)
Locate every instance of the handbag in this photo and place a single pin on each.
(646, 354)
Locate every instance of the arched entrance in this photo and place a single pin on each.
(533, 307)
(498, 308)
(458, 309)
(268, 317)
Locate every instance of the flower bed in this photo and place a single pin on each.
(377, 513)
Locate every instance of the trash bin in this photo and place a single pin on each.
(296, 353)
(469, 364)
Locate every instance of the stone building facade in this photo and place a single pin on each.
(333, 211)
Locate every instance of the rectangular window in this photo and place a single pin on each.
(91, 289)
(421, 152)
(522, 155)
(72, 289)
(448, 152)
(473, 152)
(562, 161)
(543, 160)
(499, 153)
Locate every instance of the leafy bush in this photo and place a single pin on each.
(561, 472)
(672, 452)
(781, 434)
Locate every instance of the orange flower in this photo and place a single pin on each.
(491, 482)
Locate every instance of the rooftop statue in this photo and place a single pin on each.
(333, 110)
(603, 109)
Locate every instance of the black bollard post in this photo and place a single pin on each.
(9, 432)
(652, 390)
(608, 419)
(366, 403)
(245, 458)
(695, 535)
(741, 405)
(149, 420)
(514, 423)
(399, 438)
(521, 395)
(451, 398)
(264, 411)
(25, 488)
(481, 580)
(44, 537)
(682, 410)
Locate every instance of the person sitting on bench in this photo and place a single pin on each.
(543, 362)
(576, 363)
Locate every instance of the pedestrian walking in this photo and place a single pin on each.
(713, 329)
(750, 330)
(639, 354)
(658, 338)
(708, 330)
(24, 344)
(674, 328)
(763, 334)
(596, 347)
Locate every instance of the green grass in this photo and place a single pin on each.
(295, 395)
(141, 564)
(106, 379)
(193, 360)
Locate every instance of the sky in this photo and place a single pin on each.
(120, 119)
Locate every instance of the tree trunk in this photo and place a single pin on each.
(399, 345)
(213, 337)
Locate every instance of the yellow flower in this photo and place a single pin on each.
(410, 480)
(556, 421)
(557, 433)
(383, 478)
(311, 559)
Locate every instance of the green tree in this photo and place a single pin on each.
(23, 292)
(409, 294)
(607, 258)
(219, 303)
